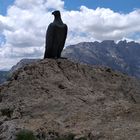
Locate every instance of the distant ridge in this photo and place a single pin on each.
(3, 76)
(122, 56)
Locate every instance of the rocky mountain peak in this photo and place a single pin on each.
(122, 56)
(61, 99)
(108, 42)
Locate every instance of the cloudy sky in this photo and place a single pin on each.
(23, 24)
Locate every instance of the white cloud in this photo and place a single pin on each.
(25, 25)
(104, 23)
(42, 4)
(54, 4)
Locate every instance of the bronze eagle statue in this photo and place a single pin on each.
(55, 37)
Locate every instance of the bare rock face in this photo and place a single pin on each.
(58, 98)
(122, 56)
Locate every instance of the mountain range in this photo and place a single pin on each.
(3, 76)
(122, 56)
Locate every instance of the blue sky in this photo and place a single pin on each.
(123, 6)
(115, 5)
(4, 5)
(23, 29)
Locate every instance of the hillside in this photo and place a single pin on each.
(22, 63)
(56, 98)
(122, 56)
(5, 75)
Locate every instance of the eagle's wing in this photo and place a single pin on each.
(64, 39)
(66, 31)
(49, 40)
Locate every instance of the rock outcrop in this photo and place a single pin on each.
(22, 63)
(60, 98)
(5, 75)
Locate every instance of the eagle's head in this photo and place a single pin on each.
(56, 13)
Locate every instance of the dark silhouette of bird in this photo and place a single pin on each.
(55, 37)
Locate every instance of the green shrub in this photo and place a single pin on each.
(25, 135)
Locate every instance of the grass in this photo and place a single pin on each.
(25, 135)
